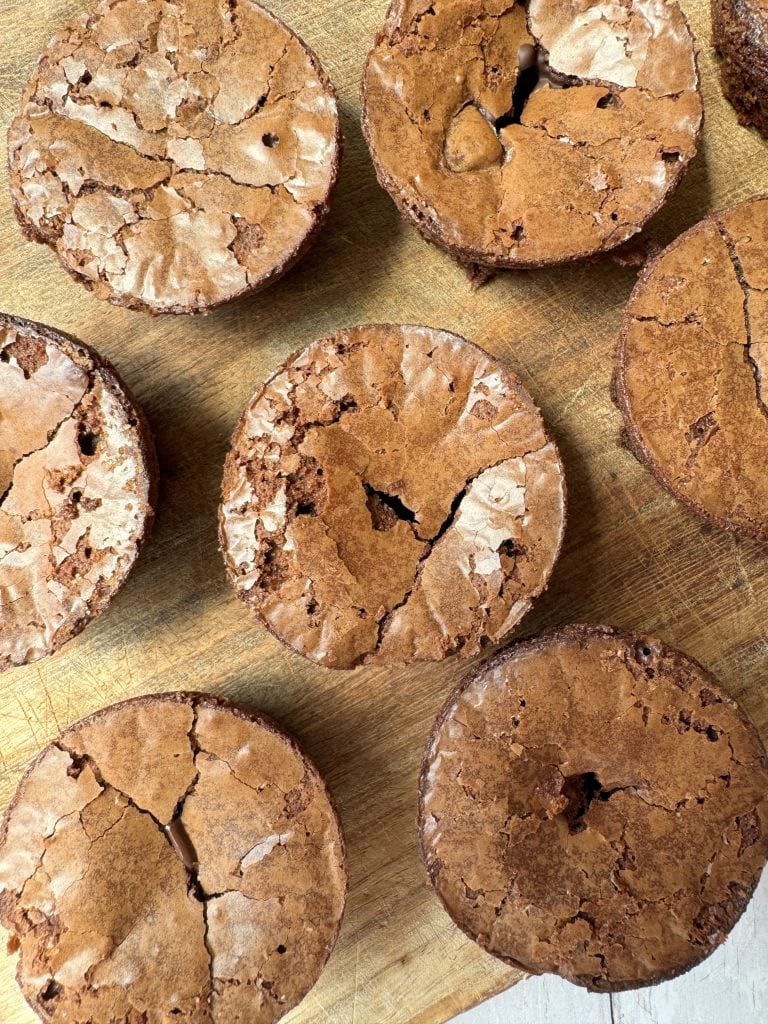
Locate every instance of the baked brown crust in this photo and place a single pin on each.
(506, 179)
(391, 495)
(739, 34)
(206, 887)
(593, 804)
(692, 368)
(175, 156)
(78, 485)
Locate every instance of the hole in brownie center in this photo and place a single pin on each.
(533, 72)
(386, 509)
(580, 791)
(527, 80)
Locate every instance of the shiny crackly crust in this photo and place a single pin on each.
(739, 29)
(404, 632)
(141, 438)
(648, 652)
(632, 436)
(404, 23)
(194, 290)
(204, 1009)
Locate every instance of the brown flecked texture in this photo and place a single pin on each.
(740, 36)
(593, 804)
(171, 858)
(175, 155)
(572, 170)
(391, 495)
(691, 374)
(78, 481)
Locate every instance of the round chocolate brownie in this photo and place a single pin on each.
(740, 36)
(77, 484)
(175, 155)
(692, 368)
(391, 495)
(594, 805)
(522, 135)
(172, 858)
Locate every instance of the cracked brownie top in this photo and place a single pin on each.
(593, 804)
(77, 482)
(692, 368)
(520, 135)
(171, 858)
(391, 495)
(175, 154)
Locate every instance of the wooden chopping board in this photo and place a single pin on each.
(633, 557)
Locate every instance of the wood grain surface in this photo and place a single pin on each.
(633, 557)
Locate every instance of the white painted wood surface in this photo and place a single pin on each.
(730, 987)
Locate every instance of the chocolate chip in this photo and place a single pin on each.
(182, 844)
(526, 57)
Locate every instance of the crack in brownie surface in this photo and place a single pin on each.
(181, 892)
(77, 481)
(692, 368)
(175, 155)
(391, 495)
(506, 165)
(594, 805)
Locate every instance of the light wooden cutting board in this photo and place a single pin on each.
(632, 557)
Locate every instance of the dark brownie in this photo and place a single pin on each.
(740, 36)
(175, 156)
(692, 368)
(594, 805)
(522, 135)
(172, 858)
(77, 485)
(391, 495)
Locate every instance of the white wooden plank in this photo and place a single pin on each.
(543, 1000)
(730, 987)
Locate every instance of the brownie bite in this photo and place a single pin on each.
(691, 375)
(740, 36)
(391, 495)
(531, 134)
(175, 156)
(78, 480)
(171, 858)
(593, 804)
